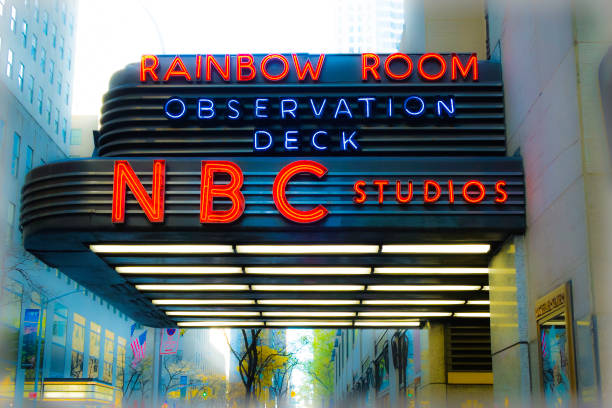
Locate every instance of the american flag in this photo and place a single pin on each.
(139, 345)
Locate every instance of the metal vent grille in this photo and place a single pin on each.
(469, 346)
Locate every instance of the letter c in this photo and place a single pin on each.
(280, 186)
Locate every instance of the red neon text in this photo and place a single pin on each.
(153, 206)
(280, 187)
(210, 190)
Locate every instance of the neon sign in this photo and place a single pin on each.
(430, 192)
(277, 67)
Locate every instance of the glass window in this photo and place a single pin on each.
(59, 83)
(12, 293)
(67, 93)
(43, 60)
(64, 129)
(13, 18)
(60, 319)
(120, 361)
(78, 347)
(109, 352)
(49, 111)
(75, 137)
(9, 63)
(94, 351)
(64, 13)
(29, 158)
(36, 11)
(45, 22)
(34, 47)
(69, 59)
(71, 25)
(40, 99)
(51, 71)
(24, 33)
(16, 150)
(31, 88)
(20, 76)
(53, 35)
(2, 7)
(61, 47)
(56, 121)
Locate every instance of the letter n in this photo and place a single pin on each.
(153, 206)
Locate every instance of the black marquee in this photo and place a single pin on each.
(66, 206)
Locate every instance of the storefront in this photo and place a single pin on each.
(287, 191)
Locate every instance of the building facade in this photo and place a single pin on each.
(549, 307)
(55, 330)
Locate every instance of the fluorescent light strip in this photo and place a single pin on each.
(404, 314)
(486, 288)
(214, 323)
(431, 271)
(203, 302)
(305, 323)
(308, 314)
(479, 302)
(165, 287)
(209, 313)
(190, 270)
(472, 314)
(413, 302)
(308, 302)
(161, 249)
(298, 270)
(420, 288)
(310, 288)
(387, 323)
(306, 249)
(436, 249)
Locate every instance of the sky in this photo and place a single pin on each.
(112, 33)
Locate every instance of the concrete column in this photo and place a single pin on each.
(509, 331)
(432, 391)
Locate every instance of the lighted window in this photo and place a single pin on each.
(45, 22)
(16, 153)
(20, 76)
(58, 340)
(24, 33)
(29, 158)
(13, 19)
(109, 354)
(78, 346)
(9, 63)
(34, 46)
(31, 89)
(94, 350)
(120, 361)
(51, 71)
(40, 99)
